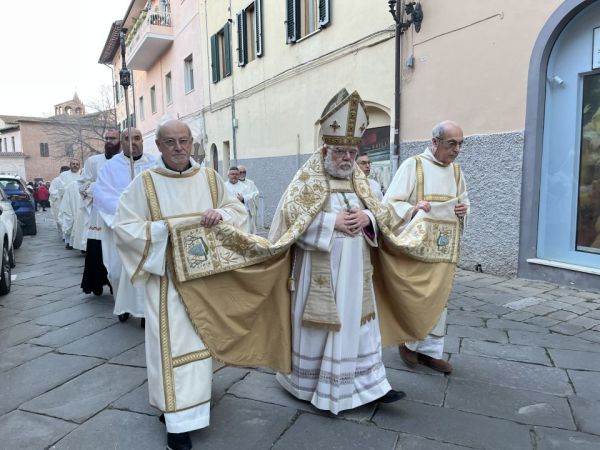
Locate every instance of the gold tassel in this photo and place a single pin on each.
(291, 285)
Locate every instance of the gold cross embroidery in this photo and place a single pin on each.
(321, 280)
(334, 125)
(363, 128)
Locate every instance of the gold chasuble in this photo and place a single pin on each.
(235, 285)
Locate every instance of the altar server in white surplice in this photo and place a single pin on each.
(178, 362)
(112, 180)
(336, 355)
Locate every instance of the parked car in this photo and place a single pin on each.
(8, 232)
(21, 200)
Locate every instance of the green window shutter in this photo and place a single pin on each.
(242, 44)
(258, 27)
(214, 52)
(227, 51)
(324, 13)
(293, 20)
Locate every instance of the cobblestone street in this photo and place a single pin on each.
(526, 359)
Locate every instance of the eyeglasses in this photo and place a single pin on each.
(242, 171)
(172, 142)
(452, 143)
(340, 152)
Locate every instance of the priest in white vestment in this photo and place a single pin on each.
(242, 192)
(94, 272)
(112, 180)
(57, 190)
(336, 356)
(72, 216)
(178, 362)
(426, 181)
(250, 198)
(364, 163)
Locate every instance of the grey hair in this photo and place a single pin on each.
(439, 131)
(162, 124)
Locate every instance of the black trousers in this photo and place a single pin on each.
(94, 272)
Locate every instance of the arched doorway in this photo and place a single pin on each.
(560, 174)
(376, 143)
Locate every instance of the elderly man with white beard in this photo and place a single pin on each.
(336, 354)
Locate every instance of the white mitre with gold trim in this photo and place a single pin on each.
(344, 119)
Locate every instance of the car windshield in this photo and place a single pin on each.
(11, 185)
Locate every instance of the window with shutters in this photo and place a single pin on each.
(153, 99)
(304, 17)
(169, 88)
(188, 72)
(44, 150)
(220, 51)
(249, 33)
(141, 109)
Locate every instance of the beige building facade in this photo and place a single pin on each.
(519, 76)
(266, 85)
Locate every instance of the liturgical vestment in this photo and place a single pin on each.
(179, 363)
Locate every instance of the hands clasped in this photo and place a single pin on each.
(351, 221)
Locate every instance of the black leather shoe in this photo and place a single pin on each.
(391, 397)
(179, 441)
(123, 317)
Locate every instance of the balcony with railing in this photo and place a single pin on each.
(149, 36)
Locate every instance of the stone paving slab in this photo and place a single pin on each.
(452, 426)
(10, 318)
(86, 395)
(418, 386)
(22, 430)
(21, 333)
(410, 442)
(48, 308)
(107, 343)
(586, 413)
(553, 439)
(35, 377)
(593, 336)
(504, 324)
(24, 303)
(136, 401)
(587, 384)
(72, 332)
(551, 340)
(511, 352)
(19, 354)
(257, 425)
(511, 374)
(265, 388)
(484, 334)
(573, 359)
(337, 434)
(134, 357)
(70, 315)
(223, 379)
(516, 405)
(116, 430)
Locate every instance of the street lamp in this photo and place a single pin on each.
(414, 11)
